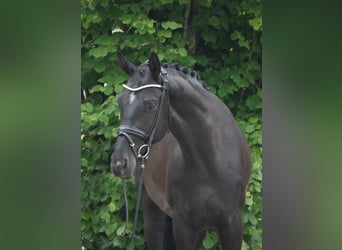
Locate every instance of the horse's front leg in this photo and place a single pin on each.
(185, 235)
(231, 236)
(154, 223)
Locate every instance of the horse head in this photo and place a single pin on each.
(144, 114)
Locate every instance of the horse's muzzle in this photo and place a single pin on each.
(119, 168)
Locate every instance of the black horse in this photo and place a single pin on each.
(199, 163)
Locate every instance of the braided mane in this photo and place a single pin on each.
(188, 73)
(191, 75)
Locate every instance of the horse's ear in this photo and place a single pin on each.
(125, 65)
(154, 65)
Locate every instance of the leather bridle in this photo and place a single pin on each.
(127, 131)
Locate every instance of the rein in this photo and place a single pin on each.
(143, 150)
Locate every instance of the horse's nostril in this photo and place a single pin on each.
(123, 164)
(119, 167)
(120, 164)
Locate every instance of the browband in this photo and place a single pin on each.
(143, 87)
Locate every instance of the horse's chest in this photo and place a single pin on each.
(156, 189)
(159, 198)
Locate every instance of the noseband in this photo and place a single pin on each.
(128, 131)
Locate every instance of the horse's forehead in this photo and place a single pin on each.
(140, 77)
(140, 72)
(142, 68)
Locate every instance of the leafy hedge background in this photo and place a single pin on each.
(221, 40)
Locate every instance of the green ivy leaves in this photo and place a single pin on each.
(210, 240)
(171, 25)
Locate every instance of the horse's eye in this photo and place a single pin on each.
(150, 105)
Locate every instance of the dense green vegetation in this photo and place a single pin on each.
(221, 40)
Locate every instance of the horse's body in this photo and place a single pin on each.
(196, 174)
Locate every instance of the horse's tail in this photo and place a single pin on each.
(169, 241)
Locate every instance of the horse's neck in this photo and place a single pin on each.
(196, 116)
